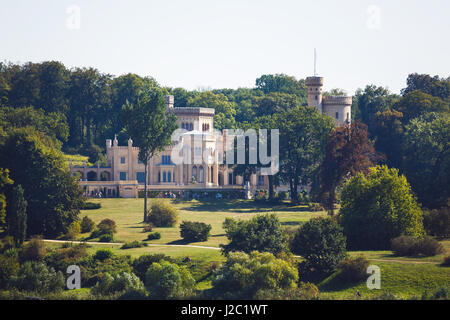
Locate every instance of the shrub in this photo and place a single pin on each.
(141, 264)
(305, 291)
(322, 243)
(437, 222)
(73, 230)
(34, 250)
(8, 268)
(103, 254)
(168, 280)
(403, 246)
(87, 224)
(353, 269)
(446, 261)
(261, 233)
(163, 214)
(121, 283)
(428, 247)
(154, 236)
(409, 246)
(36, 276)
(377, 207)
(438, 294)
(314, 207)
(107, 226)
(91, 206)
(107, 237)
(243, 275)
(61, 258)
(195, 231)
(148, 227)
(133, 244)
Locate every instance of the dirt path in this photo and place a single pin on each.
(215, 248)
(121, 243)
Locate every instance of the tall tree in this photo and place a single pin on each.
(54, 197)
(17, 216)
(4, 181)
(303, 137)
(348, 151)
(150, 127)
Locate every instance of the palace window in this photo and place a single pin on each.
(316, 97)
(337, 115)
(260, 180)
(169, 176)
(123, 176)
(122, 160)
(140, 177)
(164, 176)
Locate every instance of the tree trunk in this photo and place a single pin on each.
(295, 188)
(271, 191)
(145, 191)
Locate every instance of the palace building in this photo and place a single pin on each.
(124, 176)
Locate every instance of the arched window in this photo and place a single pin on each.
(212, 173)
(337, 115)
(164, 176)
(194, 172)
(169, 176)
(200, 174)
(159, 176)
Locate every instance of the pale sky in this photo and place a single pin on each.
(228, 43)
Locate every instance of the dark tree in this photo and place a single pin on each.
(17, 216)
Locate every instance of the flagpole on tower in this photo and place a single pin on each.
(315, 63)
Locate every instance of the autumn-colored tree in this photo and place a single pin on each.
(348, 152)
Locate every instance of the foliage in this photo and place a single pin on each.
(165, 280)
(243, 275)
(194, 231)
(91, 205)
(106, 237)
(34, 250)
(353, 269)
(73, 231)
(261, 233)
(4, 181)
(133, 244)
(61, 258)
(446, 261)
(37, 277)
(163, 214)
(148, 227)
(103, 254)
(154, 236)
(120, 283)
(348, 151)
(17, 216)
(322, 243)
(9, 268)
(303, 137)
(426, 161)
(54, 198)
(305, 291)
(437, 222)
(378, 207)
(409, 246)
(151, 129)
(107, 226)
(142, 263)
(87, 224)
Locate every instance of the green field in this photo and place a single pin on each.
(128, 214)
(404, 277)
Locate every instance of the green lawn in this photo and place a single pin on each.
(402, 280)
(128, 215)
(404, 277)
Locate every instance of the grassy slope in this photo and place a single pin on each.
(400, 279)
(401, 276)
